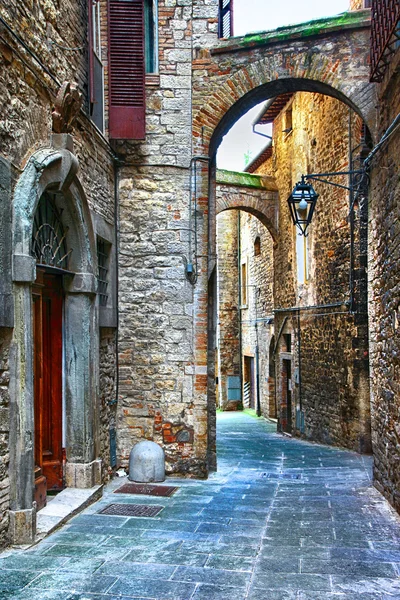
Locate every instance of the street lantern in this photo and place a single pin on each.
(302, 204)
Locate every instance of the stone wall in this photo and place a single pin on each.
(28, 90)
(228, 343)
(164, 228)
(5, 339)
(156, 302)
(384, 290)
(108, 395)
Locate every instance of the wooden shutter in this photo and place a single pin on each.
(225, 19)
(126, 69)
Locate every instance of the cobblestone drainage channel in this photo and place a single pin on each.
(146, 489)
(131, 510)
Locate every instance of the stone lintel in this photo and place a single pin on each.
(83, 475)
(22, 527)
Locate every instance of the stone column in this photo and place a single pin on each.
(83, 469)
(22, 507)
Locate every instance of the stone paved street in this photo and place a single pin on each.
(281, 520)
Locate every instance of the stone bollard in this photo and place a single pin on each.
(147, 463)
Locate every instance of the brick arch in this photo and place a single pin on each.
(240, 78)
(263, 207)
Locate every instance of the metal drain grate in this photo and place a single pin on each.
(146, 489)
(280, 476)
(131, 510)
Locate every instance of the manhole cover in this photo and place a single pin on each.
(280, 475)
(146, 489)
(131, 510)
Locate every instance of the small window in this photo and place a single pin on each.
(96, 67)
(151, 36)
(103, 258)
(288, 120)
(244, 284)
(287, 338)
(257, 246)
(302, 257)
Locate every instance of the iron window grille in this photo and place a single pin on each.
(103, 253)
(385, 35)
(49, 237)
(225, 19)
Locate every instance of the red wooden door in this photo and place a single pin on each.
(48, 305)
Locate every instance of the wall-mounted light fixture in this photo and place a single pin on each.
(303, 199)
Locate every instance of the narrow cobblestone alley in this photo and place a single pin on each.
(281, 520)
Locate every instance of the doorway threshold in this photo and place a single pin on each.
(63, 507)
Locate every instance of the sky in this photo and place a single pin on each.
(261, 15)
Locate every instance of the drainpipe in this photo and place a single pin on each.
(116, 249)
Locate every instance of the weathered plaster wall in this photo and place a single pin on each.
(384, 290)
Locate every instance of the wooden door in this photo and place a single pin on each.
(47, 311)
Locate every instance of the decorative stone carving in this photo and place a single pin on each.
(67, 106)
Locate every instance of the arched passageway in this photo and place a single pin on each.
(306, 341)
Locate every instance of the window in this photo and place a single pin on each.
(225, 19)
(151, 36)
(287, 338)
(126, 69)
(103, 256)
(244, 284)
(96, 66)
(257, 246)
(288, 120)
(302, 257)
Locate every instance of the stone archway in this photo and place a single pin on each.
(329, 58)
(242, 73)
(53, 170)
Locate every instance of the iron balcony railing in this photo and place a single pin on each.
(385, 35)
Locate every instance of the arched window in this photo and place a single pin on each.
(49, 243)
(257, 246)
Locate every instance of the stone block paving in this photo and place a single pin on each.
(282, 519)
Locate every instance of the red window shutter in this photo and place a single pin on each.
(126, 69)
(91, 65)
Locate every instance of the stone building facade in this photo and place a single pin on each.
(383, 263)
(133, 168)
(57, 332)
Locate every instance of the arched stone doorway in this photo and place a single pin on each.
(61, 274)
